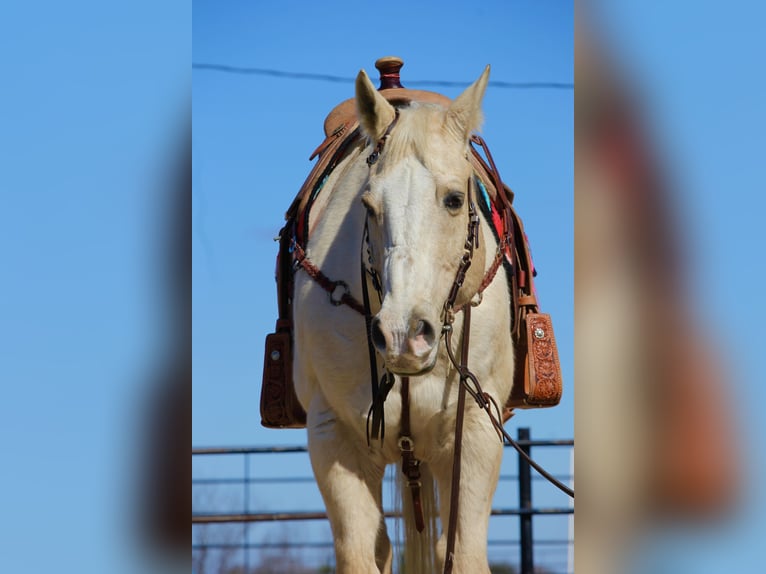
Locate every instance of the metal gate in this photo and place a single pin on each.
(249, 513)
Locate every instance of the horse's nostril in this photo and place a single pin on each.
(425, 329)
(378, 338)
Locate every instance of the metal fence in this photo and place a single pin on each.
(238, 492)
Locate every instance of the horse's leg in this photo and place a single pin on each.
(384, 554)
(350, 482)
(480, 468)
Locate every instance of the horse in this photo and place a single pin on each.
(398, 207)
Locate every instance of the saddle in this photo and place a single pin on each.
(537, 379)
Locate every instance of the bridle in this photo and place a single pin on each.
(339, 294)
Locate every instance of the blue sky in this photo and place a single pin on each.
(252, 138)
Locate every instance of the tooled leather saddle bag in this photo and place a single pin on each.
(280, 407)
(537, 380)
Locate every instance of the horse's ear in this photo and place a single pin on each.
(374, 111)
(464, 114)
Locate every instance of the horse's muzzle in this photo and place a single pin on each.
(408, 348)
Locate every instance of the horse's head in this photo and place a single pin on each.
(417, 199)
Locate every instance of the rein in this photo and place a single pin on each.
(380, 390)
(471, 242)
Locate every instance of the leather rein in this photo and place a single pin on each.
(340, 294)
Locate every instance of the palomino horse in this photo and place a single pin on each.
(404, 216)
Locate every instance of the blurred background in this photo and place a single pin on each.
(95, 125)
(669, 127)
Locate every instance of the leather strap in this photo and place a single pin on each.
(504, 202)
(454, 502)
(338, 290)
(410, 464)
(373, 157)
(471, 240)
(380, 389)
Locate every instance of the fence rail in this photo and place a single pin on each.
(329, 544)
(525, 511)
(288, 449)
(284, 516)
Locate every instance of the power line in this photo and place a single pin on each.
(249, 71)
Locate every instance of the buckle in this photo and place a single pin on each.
(405, 444)
(337, 301)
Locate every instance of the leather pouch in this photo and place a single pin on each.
(280, 407)
(537, 381)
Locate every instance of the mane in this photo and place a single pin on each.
(419, 127)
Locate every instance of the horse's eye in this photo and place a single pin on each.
(454, 200)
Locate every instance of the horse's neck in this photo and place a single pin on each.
(336, 213)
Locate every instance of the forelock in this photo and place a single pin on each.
(421, 131)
